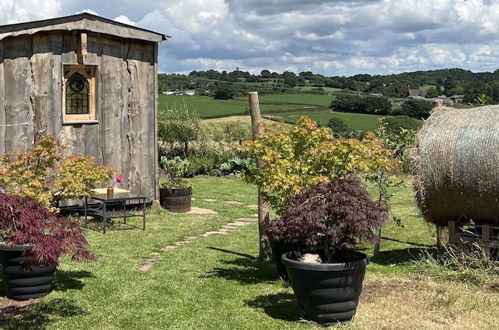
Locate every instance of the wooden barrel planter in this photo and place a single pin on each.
(23, 283)
(176, 200)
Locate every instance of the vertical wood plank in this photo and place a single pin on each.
(18, 87)
(2, 100)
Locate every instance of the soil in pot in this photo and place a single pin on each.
(327, 293)
(176, 200)
(23, 283)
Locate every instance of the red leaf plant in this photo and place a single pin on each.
(26, 222)
(330, 218)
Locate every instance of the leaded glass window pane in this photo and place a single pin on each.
(77, 96)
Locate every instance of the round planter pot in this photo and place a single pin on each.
(327, 293)
(21, 283)
(278, 249)
(176, 200)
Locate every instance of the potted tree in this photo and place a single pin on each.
(328, 220)
(31, 241)
(175, 192)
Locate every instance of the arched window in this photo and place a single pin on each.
(77, 95)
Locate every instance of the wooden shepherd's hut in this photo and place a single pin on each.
(89, 81)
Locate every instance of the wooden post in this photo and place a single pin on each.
(263, 207)
(442, 236)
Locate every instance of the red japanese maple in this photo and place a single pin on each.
(331, 216)
(27, 222)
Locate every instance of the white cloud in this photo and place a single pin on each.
(329, 37)
(125, 20)
(15, 11)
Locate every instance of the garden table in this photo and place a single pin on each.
(119, 206)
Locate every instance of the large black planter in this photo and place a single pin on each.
(21, 283)
(176, 200)
(278, 249)
(327, 293)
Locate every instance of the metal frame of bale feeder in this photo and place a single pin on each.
(114, 70)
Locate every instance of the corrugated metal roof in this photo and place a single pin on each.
(83, 22)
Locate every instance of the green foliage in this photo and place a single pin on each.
(200, 164)
(306, 155)
(416, 109)
(224, 92)
(178, 124)
(237, 165)
(47, 176)
(338, 127)
(369, 105)
(176, 169)
(395, 124)
(482, 100)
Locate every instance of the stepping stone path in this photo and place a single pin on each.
(227, 228)
(233, 202)
(252, 206)
(209, 200)
(198, 210)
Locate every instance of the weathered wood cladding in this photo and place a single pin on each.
(124, 137)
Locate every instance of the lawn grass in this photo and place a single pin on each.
(355, 121)
(217, 283)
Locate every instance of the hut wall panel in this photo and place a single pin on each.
(41, 63)
(19, 133)
(141, 113)
(54, 125)
(115, 83)
(2, 102)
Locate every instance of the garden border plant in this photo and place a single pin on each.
(32, 239)
(175, 191)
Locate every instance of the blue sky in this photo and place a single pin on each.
(327, 37)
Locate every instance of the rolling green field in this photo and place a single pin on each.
(356, 121)
(281, 107)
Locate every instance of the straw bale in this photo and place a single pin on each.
(456, 165)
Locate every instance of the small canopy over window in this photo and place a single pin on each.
(77, 95)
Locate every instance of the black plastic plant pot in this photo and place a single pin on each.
(278, 248)
(176, 200)
(327, 293)
(23, 283)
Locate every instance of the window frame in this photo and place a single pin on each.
(89, 73)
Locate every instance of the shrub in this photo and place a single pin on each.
(237, 165)
(395, 124)
(306, 155)
(338, 127)
(331, 217)
(417, 109)
(177, 170)
(26, 222)
(200, 165)
(46, 176)
(179, 125)
(355, 103)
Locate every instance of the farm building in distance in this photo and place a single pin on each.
(89, 81)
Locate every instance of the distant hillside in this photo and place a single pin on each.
(435, 82)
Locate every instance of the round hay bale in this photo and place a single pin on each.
(456, 165)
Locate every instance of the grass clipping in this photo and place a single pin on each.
(456, 165)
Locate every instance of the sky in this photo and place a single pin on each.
(327, 37)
